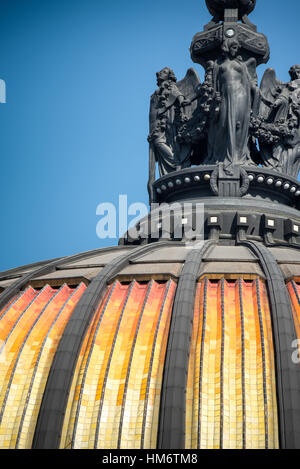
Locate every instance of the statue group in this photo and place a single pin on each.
(228, 119)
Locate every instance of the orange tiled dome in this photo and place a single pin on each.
(118, 391)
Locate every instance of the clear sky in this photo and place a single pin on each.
(73, 132)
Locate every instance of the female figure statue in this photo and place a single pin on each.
(234, 84)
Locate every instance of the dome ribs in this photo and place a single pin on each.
(229, 403)
(284, 332)
(203, 325)
(221, 308)
(51, 416)
(75, 390)
(242, 315)
(133, 297)
(263, 352)
(29, 349)
(227, 391)
(89, 350)
(43, 300)
(169, 295)
(137, 326)
(171, 433)
(7, 295)
(60, 318)
(118, 383)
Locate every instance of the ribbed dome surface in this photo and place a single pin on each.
(118, 379)
(231, 368)
(118, 394)
(30, 329)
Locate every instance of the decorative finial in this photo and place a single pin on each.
(217, 7)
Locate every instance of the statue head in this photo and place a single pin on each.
(166, 74)
(231, 47)
(295, 72)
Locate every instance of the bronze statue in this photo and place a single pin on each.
(226, 122)
(170, 106)
(278, 129)
(228, 131)
(165, 115)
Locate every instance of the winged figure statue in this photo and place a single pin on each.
(172, 104)
(278, 124)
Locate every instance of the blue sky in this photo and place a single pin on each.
(73, 132)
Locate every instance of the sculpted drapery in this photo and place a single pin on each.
(228, 132)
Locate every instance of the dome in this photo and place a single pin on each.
(111, 348)
(185, 335)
